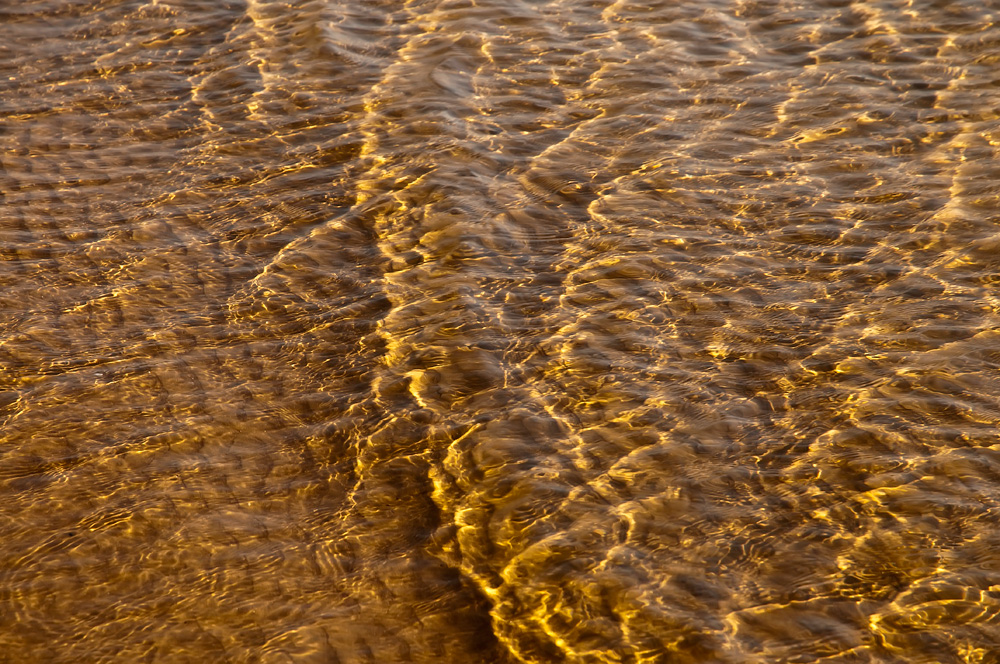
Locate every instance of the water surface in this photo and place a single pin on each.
(500, 331)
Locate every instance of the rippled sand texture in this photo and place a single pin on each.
(500, 331)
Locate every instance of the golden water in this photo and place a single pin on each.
(499, 331)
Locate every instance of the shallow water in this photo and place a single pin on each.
(500, 331)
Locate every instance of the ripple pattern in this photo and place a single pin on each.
(500, 331)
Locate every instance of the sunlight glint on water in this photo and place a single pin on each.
(500, 331)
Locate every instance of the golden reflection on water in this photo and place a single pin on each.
(493, 331)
